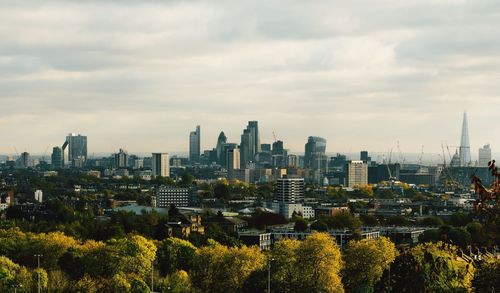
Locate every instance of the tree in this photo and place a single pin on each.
(365, 261)
(187, 179)
(177, 282)
(285, 275)
(487, 276)
(397, 221)
(300, 225)
(133, 255)
(460, 219)
(175, 254)
(221, 191)
(343, 220)
(319, 263)
(432, 222)
(218, 268)
(369, 220)
(319, 226)
(429, 267)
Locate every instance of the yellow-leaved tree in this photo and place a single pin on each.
(218, 268)
(365, 262)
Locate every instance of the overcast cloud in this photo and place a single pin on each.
(141, 74)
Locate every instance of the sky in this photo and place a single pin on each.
(140, 75)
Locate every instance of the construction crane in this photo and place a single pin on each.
(274, 135)
(45, 153)
(421, 156)
(401, 159)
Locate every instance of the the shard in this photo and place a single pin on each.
(464, 151)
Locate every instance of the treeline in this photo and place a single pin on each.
(316, 264)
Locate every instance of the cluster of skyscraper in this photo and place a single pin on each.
(250, 153)
(72, 153)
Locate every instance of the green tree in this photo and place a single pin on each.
(343, 220)
(365, 262)
(432, 222)
(429, 267)
(177, 282)
(175, 254)
(300, 225)
(218, 268)
(319, 226)
(487, 276)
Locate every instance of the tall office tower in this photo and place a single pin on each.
(464, 151)
(357, 174)
(278, 147)
(160, 164)
(233, 162)
(74, 148)
(225, 148)
(363, 156)
(121, 159)
(293, 161)
(194, 145)
(57, 159)
(250, 143)
(484, 155)
(315, 145)
(253, 126)
(24, 160)
(221, 141)
(265, 147)
(246, 148)
(290, 190)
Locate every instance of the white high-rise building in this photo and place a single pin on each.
(357, 174)
(484, 155)
(160, 164)
(233, 162)
(290, 190)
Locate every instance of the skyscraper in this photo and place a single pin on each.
(246, 148)
(484, 155)
(314, 148)
(194, 145)
(464, 151)
(233, 162)
(57, 158)
(221, 140)
(357, 174)
(250, 143)
(160, 165)
(289, 190)
(74, 148)
(121, 159)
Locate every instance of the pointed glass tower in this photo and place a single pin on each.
(465, 158)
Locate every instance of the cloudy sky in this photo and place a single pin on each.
(142, 74)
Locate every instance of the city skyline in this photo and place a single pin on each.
(333, 70)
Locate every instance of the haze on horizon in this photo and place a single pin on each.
(141, 75)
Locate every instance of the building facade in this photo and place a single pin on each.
(357, 174)
(160, 165)
(195, 145)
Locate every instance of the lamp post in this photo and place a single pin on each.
(17, 286)
(38, 260)
(152, 275)
(269, 274)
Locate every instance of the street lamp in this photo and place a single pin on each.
(38, 258)
(17, 286)
(269, 260)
